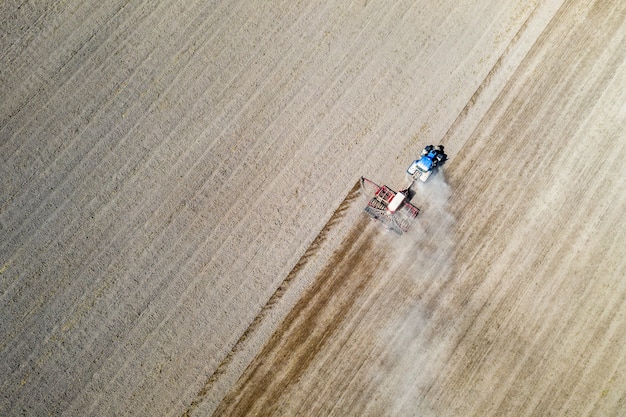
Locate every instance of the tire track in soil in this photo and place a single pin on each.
(284, 286)
(308, 327)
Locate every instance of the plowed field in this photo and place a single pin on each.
(181, 225)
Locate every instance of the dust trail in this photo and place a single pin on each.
(414, 351)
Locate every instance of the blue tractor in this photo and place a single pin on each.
(430, 159)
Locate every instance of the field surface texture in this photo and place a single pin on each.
(182, 229)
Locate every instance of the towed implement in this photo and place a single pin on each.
(391, 208)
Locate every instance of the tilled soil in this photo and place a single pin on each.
(182, 227)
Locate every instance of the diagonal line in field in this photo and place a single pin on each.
(276, 296)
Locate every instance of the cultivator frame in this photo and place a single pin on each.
(390, 208)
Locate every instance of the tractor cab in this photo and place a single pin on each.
(428, 162)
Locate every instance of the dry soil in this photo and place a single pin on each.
(182, 230)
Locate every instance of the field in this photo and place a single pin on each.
(181, 221)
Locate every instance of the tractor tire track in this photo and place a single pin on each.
(311, 251)
(307, 328)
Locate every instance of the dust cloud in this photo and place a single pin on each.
(414, 348)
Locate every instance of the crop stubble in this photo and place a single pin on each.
(129, 286)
